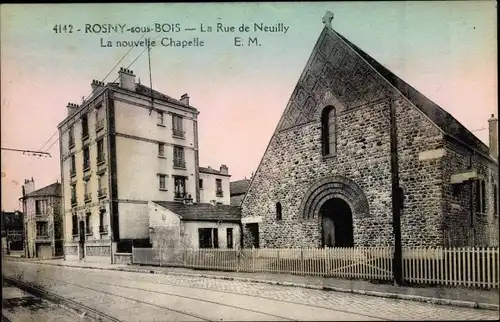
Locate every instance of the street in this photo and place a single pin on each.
(129, 296)
(18, 305)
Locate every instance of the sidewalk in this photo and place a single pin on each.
(437, 295)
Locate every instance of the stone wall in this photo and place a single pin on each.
(123, 258)
(420, 145)
(459, 206)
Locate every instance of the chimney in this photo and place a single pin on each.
(96, 85)
(72, 108)
(127, 79)
(223, 169)
(185, 99)
(493, 129)
(29, 186)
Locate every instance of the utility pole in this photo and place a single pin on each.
(397, 197)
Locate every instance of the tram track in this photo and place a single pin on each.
(101, 316)
(254, 296)
(55, 298)
(121, 279)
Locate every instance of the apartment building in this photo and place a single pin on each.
(43, 229)
(124, 146)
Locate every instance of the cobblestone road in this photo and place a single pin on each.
(128, 296)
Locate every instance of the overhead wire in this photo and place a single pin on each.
(94, 90)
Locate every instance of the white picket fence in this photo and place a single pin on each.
(472, 267)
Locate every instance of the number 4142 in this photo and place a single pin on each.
(63, 29)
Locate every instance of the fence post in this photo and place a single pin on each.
(238, 259)
(161, 256)
(302, 261)
(253, 260)
(327, 261)
(132, 254)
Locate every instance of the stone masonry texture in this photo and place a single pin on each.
(360, 170)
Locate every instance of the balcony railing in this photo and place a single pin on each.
(72, 172)
(219, 194)
(101, 193)
(179, 163)
(101, 168)
(99, 125)
(42, 235)
(87, 197)
(178, 133)
(101, 159)
(89, 230)
(85, 134)
(74, 202)
(86, 165)
(103, 229)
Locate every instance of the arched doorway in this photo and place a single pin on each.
(337, 224)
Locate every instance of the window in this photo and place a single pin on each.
(495, 199)
(38, 207)
(85, 127)
(42, 229)
(101, 190)
(218, 188)
(162, 178)
(160, 118)
(87, 195)
(179, 187)
(100, 151)
(71, 136)
(480, 196)
(208, 237)
(328, 131)
(278, 211)
(73, 195)
(86, 158)
(200, 183)
(73, 166)
(229, 237)
(177, 125)
(99, 120)
(102, 227)
(74, 221)
(88, 224)
(161, 149)
(179, 157)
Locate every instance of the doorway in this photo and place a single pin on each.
(81, 242)
(254, 232)
(337, 225)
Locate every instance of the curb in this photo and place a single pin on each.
(407, 297)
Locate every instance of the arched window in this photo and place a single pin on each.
(328, 130)
(278, 211)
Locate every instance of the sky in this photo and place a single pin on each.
(447, 50)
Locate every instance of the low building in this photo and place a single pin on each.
(12, 231)
(238, 189)
(214, 185)
(43, 226)
(194, 226)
